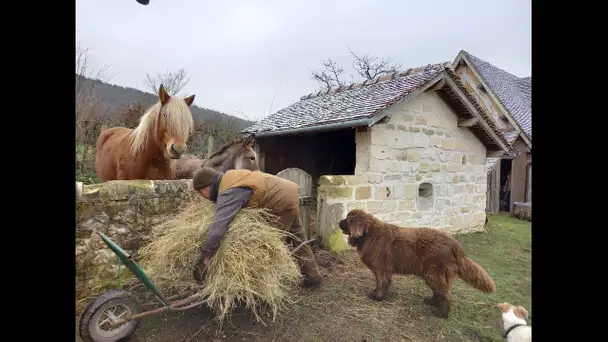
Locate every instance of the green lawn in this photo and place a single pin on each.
(340, 311)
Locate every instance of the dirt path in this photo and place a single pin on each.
(338, 311)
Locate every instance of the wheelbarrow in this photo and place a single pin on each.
(114, 315)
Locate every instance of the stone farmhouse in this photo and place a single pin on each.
(409, 147)
(508, 100)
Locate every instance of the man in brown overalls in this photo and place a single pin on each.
(236, 189)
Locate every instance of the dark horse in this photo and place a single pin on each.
(238, 154)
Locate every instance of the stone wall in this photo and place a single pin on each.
(418, 170)
(125, 211)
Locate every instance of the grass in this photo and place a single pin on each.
(340, 311)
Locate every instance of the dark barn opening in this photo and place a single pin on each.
(505, 184)
(323, 153)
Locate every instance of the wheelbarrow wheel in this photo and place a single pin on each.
(112, 305)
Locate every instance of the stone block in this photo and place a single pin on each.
(374, 178)
(363, 192)
(403, 216)
(438, 221)
(392, 177)
(374, 206)
(413, 156)
(522, 211)
(383, 192)
(356, 205)
(327, 223)
(332, 180)
(380, 135)
(421, 140)
(461, 145)
(398, 191)
(381, 207)
(380, 152)
(479, 216)
(441, 190)
(453, 167)
(411, 191)
(407, 205)
(124, 190)
(420, 120)
(428, 131)
(447, 144)
(435, 167)
(424, 167)
(339, 192)
(435, 141)
(407, 117)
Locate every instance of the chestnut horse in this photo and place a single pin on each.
(238, 154)
(146, 151)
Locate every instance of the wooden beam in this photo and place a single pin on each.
(384, 120)
(513, 122)
(468, 122)
(475, 113)
(438, 85)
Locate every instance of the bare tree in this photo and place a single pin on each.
(89, 116)
(86, 97)
(370, 67)
(329, 76)
(366, 66)
(173, 82)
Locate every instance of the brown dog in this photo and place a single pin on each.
(428, 253)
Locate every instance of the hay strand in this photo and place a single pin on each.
(253, 267)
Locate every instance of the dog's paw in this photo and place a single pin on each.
(430, 300)
(375, 296)
(439, 313)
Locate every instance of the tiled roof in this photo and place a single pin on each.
(513, 92)
(361, 101)
(347, 103)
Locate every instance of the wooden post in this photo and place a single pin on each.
(210, 146)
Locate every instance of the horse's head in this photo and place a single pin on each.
(238, 155)
(175, 123)
(245, 156)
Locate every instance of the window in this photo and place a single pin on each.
(425, 196)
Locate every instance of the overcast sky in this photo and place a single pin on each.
(239, 54)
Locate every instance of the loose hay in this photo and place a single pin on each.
(253, 266)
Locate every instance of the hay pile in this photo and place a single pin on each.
(253, 265)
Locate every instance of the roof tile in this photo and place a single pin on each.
(513, 92)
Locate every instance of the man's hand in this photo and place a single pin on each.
(201, 268)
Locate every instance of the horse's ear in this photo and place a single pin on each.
(163, 96)
(189, 100)
(250, 140)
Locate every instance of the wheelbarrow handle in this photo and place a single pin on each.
(302, 245)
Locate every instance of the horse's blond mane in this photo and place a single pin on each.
(179, 123)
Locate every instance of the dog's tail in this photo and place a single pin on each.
(473, 274)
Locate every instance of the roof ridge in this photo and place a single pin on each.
(381, 78)
(470, 55)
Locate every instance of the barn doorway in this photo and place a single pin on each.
(323, 153)
(505, 185)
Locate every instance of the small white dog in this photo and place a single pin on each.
(514, 323)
